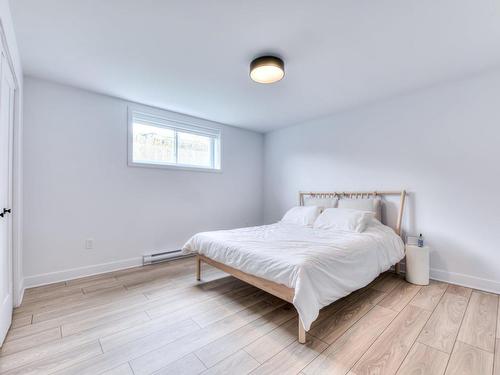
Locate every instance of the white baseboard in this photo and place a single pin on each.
(466, 280)
(5, 311)
(75, 273)
(18, 299)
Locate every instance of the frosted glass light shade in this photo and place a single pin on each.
(267, 69)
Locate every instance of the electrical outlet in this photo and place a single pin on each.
(89, 243)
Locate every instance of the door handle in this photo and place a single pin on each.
(5, 211)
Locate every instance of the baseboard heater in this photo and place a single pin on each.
(164, 256)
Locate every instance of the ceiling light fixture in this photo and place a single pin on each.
(267, 69)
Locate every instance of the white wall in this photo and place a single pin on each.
(442, 144)
(78, 186)
(15, 61)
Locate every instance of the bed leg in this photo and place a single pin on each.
(397, 268)
(198, 268)
(302, 333)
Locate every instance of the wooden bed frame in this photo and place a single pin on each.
(280, 290)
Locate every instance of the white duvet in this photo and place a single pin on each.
(321, 265)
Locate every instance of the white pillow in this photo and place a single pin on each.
(343, 219)
(301, 215)
(364, 204)
(322, 203)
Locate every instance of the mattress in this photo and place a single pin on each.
(321, 265)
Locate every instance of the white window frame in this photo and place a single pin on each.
(177, 122)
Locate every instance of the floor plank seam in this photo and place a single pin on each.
(383, 331)
(458, 332)
(137, 304)
(357, 320)
(316, 356)
(343, 308)
(475, 346)
(335, 323)
(251, 342)
(312, 359)
(179, 338)
(131, 368)
(423, 326)
(251, 356)
(203, 363)
(100, 344)
(294, 343)
(373, 343)
(431, 347)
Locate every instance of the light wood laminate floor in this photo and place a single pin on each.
(159, 320)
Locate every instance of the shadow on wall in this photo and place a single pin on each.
(462, 254)
(441, 143)
(390, 212)
(441, 245)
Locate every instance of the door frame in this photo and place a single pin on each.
(17, 186)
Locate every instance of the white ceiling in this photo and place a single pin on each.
(193, 56)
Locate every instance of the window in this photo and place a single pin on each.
(165, 139)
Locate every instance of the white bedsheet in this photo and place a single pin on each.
(321, 265)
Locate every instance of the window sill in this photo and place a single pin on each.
(174, 167)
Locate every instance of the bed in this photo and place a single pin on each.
(310, 268)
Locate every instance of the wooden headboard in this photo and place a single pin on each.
(360, 195)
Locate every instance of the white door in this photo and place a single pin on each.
(7, 91)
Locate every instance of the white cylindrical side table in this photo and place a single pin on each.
(417, 264)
